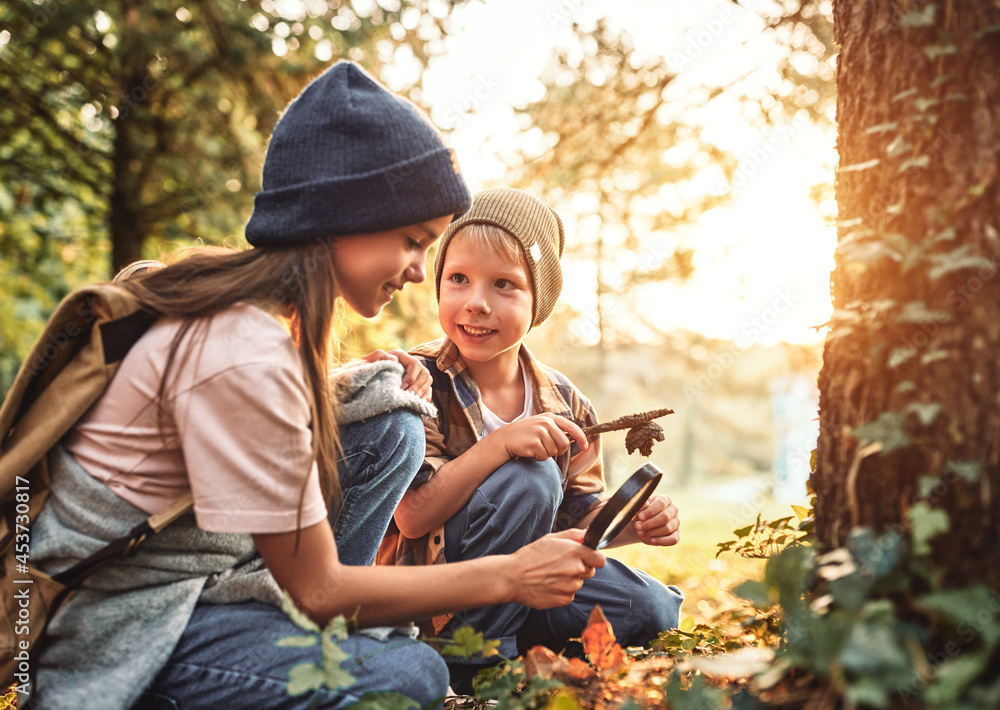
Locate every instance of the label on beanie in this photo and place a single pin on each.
(536, 252)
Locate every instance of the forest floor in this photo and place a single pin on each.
(706, 580)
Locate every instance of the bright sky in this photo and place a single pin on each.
(763, 264)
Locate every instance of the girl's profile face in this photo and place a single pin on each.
(371, 267)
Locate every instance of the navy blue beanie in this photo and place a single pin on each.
(350, 157)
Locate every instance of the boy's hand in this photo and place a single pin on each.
(657, 523)
(540, 437)
(416, 379)
(550, 571)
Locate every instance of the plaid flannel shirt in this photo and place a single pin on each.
(459, 425)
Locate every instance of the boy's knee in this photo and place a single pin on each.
(658, 609)
(527, 481)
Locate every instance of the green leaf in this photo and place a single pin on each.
(563, 699)
(921, 161)
(756, 592)
(922, 17)
(304, 677)
(335, 677)
(876, 556)
(297, 616)
(699, 696)
(918, 312)
(467, 643)
(880, 128)
(858, 167)
(925, 524)
(969, 471)
(887, 430)
(801, 512)
(297, 641)
(873, 647)
(958, 260)
(897, 147)
(926, 413)
(337, 628)
(926, 485)
(962, 605)
(936, 50)
(385, 700)
(900, 355)
(867, 691)
(952, 677)
(945, 235)
(934, 356)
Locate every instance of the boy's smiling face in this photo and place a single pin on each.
(485, 306)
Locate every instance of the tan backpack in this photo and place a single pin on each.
(69, 367)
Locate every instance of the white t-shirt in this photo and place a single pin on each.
(491, 422)
(235, 433)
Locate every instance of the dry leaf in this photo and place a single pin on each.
(599, 643)
(545, 663)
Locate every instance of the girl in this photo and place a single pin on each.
(227, 396)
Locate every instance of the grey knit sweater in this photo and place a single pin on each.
(110, 640)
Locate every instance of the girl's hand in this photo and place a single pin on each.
(540, 437)
(549, 572)
(657, 523)
(416, 379)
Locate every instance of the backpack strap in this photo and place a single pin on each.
(121, 548)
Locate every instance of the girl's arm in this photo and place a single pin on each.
(432, 504)
(544, 574)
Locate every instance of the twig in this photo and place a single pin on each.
(626, 422)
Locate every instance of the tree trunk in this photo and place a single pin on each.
(914, 341)
(127, 233)
(127, 229)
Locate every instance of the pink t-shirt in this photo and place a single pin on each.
(236, 431)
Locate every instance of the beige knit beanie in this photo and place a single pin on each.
(538, 230)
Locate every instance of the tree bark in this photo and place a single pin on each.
(914, 341)
(125, 218)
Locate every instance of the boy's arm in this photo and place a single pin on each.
(431, 504)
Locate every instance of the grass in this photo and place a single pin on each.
(692, 564)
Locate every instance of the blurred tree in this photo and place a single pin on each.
(908, 410)
(141, 126)
(610, 148)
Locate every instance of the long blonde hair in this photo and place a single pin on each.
(298, 280)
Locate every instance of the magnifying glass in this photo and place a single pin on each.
(622, 506)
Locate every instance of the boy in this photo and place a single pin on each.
(507, 460)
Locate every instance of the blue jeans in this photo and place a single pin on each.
(226, 657)
(516, 505)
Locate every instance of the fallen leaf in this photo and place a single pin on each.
(544, 663)
(599, 643)
(741, 663)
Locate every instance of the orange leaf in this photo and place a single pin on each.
(599, 643)
(542, 662)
